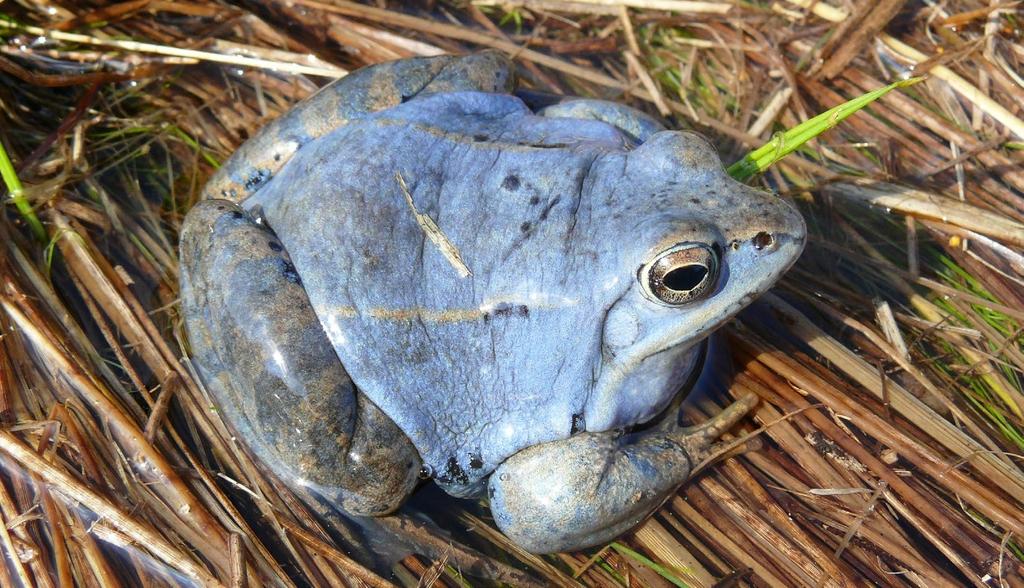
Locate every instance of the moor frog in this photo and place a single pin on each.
(415, 270)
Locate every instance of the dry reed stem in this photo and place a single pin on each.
(1008, 479)
(906, 364)
(552, 574)
(149, 463)
(931, 464)
(837, 436)
(13, 552)
(923, 205)
(967, 90)
(852, 424)
(695, 517)
(670, 5)
(346, 563)
(462, 34)
(140, 535)
(239, 60)
(101, 571)
(655, 538)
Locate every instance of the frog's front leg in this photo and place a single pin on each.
(266, 360)
(589, 488)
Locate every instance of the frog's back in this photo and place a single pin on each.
(443, 245)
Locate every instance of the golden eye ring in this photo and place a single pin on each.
(682, 274)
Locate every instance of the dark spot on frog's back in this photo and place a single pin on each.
(512, 310)
(547, 209)
(475, 461)
(289, 273)
(370, 258)
(275, 246)
(540, 145)
(453, 472)
(506, 309)
(256, 179)
(421, 354)
(512, 183)
(525, 227)
(481, 138)
(578, 424)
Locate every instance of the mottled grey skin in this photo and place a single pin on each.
(262, 352)
(483, 273)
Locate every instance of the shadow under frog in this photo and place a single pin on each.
(415, 271)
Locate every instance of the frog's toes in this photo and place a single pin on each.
(635, 124)
(587, 489)
(263, 355)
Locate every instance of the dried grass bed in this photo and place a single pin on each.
(888, 361)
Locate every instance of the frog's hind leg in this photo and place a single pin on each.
(362, 92)
(589, 488)
(484, 71)
(264, 357)
(639, 126)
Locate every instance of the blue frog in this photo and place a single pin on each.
(415, 270)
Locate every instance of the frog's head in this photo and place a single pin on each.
(698, 247)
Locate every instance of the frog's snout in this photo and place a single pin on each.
(772, 240)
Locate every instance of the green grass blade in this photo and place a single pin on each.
(782, 144)
(18, 195)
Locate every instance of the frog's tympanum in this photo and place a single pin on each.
(417, 271)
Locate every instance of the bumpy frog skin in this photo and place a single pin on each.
(414, 270)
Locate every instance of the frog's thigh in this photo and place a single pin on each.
(636, 124)
(585, 490)
(274, 375)
(484, 71)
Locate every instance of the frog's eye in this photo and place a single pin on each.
(685, 273)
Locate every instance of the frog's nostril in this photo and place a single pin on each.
(763, 241)
(685, 277)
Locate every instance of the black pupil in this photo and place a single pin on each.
(685, 278)
(763, 240)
